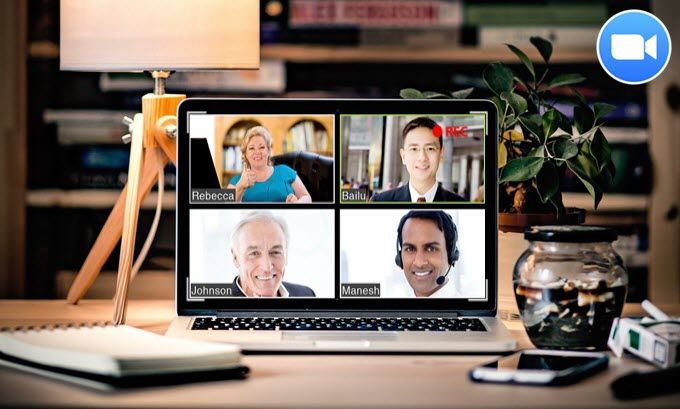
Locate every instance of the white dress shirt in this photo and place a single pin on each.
(429, 195)
(446, 291)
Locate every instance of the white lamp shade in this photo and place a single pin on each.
(134, 35)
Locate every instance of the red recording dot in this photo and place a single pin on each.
(437, 131)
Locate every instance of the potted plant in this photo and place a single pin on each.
(536, 146)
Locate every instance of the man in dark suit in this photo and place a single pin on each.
(421, 153)
(259, 249)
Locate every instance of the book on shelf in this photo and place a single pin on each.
(304, 136)
(551, 13)
(375, 13)
(270, 78)
(88, 126)
(562, 37)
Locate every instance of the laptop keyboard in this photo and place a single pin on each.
(339, 324)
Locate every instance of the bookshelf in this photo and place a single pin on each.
(304, 53)
(90, 199)
(230, 130)
(322, 65)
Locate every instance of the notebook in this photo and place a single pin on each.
(116, 355)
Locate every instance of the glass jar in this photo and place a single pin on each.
(569, 284)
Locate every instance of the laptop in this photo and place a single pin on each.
(342, 225)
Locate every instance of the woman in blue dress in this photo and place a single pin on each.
(262, 182)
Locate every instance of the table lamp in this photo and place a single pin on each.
(157, 36)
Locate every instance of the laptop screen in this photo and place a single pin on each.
(336, 204)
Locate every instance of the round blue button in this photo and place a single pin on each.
(634, 47)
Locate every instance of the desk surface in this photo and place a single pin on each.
(319, 381)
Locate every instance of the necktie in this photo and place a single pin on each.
(421, 199)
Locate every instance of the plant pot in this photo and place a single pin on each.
(511, 243)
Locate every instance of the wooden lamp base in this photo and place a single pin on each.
(153, 145)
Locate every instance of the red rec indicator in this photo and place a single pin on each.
(437, 131)
(451, 131)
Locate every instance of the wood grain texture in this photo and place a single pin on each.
(130, 215)
(311, 380)
(664, 146)
(155, 107)
(13, 163)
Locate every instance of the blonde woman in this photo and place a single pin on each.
(262, 182)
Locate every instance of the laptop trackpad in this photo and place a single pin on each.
(351, 336)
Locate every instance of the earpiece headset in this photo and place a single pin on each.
(450, 236)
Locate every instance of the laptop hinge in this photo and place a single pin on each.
(344, 313)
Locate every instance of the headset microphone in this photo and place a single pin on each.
(442, 278)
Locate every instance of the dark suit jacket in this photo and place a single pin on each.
(294, 290)
(402, 194)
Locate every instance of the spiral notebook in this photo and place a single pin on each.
(116, 356)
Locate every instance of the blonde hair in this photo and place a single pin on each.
(250, 134)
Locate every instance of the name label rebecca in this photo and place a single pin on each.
(213, 196)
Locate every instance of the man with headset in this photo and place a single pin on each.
(427, 251)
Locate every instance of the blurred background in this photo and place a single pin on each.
(63, 164)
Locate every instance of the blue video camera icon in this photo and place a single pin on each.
(634, 47)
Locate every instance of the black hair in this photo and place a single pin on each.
(444, 223)
(420, 122)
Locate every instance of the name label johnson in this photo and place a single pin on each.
(213, 195)
(360, 290)
(211, 290)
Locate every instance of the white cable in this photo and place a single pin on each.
(154, 226)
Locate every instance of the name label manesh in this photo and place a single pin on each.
(360, 290)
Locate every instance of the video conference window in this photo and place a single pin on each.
(261, 158)
(260, 253)
(403, 158)
(412, 253)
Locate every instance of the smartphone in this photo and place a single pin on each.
(541, 367)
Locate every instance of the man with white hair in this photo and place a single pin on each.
(259, 251)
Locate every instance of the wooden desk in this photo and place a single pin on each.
(319, 381)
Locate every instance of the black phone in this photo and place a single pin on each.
(541, 367)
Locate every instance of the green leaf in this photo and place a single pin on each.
(586, 171)
(521, 169)
(600, 150)
(534, 125)
(462, 94)
(584, 118)
(601, 109)
(525, 60)
(543, 46)
(500, 104)
(551, 121)
(538, 152)
(411, 93)
(434, 95)
(516, 102)
(611, 167)
(565, 123)
(565, 79)
(547, 181)
(564, 148)
(498, 77)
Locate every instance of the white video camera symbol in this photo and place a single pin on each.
(632, 47)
